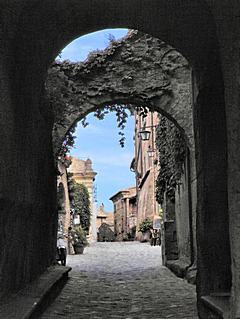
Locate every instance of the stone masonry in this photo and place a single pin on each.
(32, 33)
(123, 281)
(138, 69)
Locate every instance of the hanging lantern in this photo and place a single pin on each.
(145, 135)
(151, 152)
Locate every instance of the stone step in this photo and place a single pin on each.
(30, 302)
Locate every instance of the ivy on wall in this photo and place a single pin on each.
(80, 202)
(72, 85)
(63, 95)
(171, 147)
(136, 69)
(69, 141)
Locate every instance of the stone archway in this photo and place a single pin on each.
(138, 69)
(38, 31)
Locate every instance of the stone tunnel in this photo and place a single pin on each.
(32, 33)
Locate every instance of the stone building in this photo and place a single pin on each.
(125, 218)
(104, 217)
(146, 167)
(207, 34)
(177, 227)
(83, 173)
(105, 225)
(64, 216)
(105, 233)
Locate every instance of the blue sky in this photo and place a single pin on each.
(99, 140)
(79, 48)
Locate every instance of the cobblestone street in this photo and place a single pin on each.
(125, 281)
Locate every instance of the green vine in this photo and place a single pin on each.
(65, 89)
(80, 202)
(172, 152)
(63, 154)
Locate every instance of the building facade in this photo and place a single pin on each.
(105, 225)
(83, 173)
(146, 167)
(63, 202)
(125, 214)
(157, 163)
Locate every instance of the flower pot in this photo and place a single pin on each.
(78, 249)
(145, 237)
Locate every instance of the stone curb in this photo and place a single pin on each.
(31, 301)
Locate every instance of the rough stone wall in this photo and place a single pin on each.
(138, 70)
(28, 217)
(32, 32)
(119, 218)
(169, 232)
(182, 216)
(226, 15)
(170, 242)
(175, 192)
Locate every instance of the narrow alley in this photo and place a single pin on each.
(122, 280)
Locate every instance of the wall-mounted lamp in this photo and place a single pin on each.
(151, 152)
(145, 135)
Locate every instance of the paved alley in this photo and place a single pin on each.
(122, 281)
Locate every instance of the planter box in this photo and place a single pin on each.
(145, 237)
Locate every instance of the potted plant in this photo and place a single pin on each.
(144, 228)
(79, 239)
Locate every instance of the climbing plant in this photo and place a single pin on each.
(80, 202)
(172, 151)
(63, 154)
(65, 86)
(121, 113)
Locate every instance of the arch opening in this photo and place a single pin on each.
(46, 38)
(152, 102)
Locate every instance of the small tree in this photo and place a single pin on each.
(80, 202)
